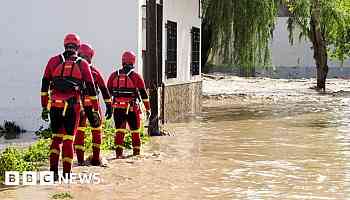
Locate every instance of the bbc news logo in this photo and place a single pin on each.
(48, 178)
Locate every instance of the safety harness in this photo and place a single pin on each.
(125, 97)
(65, 82)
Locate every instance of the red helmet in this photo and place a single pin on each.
(86, 50)
(128, 57)
(72, 38)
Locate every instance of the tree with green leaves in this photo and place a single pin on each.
(341, 41)
(238, 31)
(326, 24)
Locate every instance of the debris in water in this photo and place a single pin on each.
(165, 131)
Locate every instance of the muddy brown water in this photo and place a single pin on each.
(295, 147)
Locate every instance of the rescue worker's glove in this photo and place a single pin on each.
(109, 111)
(94, 118)
(148, 114)
(45, 114)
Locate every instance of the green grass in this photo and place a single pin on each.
(12, 159)
(43, 133)
(38, 152)
(108, 138)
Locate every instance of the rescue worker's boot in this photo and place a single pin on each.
(55, 153)
(79, 145)
(67, 154)
(96, 143)
(136, 142)
(119, 142)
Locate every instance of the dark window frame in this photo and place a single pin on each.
(195, 51)
(171, 50)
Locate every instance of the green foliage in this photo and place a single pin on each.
(12, 159)
(334, 19)
(38, 152)
(108, 138)
(341, 37)
(29, 159)
(241, 30)
(43, 133)
(62, 195)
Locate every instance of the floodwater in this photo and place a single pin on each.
(24, 140)
(273, 139)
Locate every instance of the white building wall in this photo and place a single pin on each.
(186, 14)
(32, 31)
(141, 36)
(298, 55)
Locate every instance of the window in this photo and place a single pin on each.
(195, 57)
(171, 54)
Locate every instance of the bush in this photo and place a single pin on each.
(43, 133)
(12, 159)
(108, 138)
(38, 152)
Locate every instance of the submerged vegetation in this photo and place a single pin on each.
(10, 130)
(35, 156)
(43, 133)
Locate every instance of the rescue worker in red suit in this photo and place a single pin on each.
(65, 76)
(127, 89)
(86, 51)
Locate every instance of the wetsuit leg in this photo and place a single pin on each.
(71, 122)
(96, 142)
(134, 121)
(79, 139)
(57, 128)
(120, 125)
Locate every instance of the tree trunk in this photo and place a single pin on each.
(319, 45)
(206, 42)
